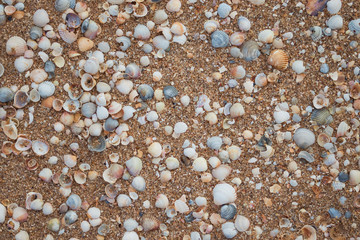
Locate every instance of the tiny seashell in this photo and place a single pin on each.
(96, 144)
(123, 200)
(228, 211)
(281, 116)
(71, 106)
(155, 149)
(134, 166)
(200, 164)
(237, 38)
(170, 92)
(23, 64)
(110, 124)
(335, 22)
(211, 26)
(139, 183)
(298, 66)
(103, 230)
(41, 18)
(266, 36)
(160, 42)
(342, 129)
(113, 173)
(46, 89)
(141, 32)
(35, 32)
(85, 44)
(146, 92)
(228, 229)
(354, 26)
(133, 71)
(74, 202)
(62, 5)
(221, 172)
(278, 59)
(316, 33)
(21, 99)
(16, 46)
(161, 201)
(223, 10)
(140, 10)
(242, 223)
(224, 193)
(304, 138)
(219, 39)
(70, 217)
(66, 35)
(244, 23)
(6, 95)
(306, 156)
(173, 6)
(250, 50)
(238, 72)
(322, 139)
(124, 42)
(309, 232)
(321, 116)
(333, 6)
(10, 131)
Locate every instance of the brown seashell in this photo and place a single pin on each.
(355, 91)
(10, 10)
(79, 177)
(278, 59)
(31, 164)
(85, 44)
(313, 7)
(357, 201)
(21, 98)
(309, 232)
(150, 223)
(6, 148)
(48, 102)
(57, 104)
(112, 190)
(18, 15)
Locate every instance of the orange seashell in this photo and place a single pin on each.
(18, 15)
(48, 102)
(313, 7)
(278, 59)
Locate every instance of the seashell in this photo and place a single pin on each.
(21, 99)
(125, 86)
(145, 92)
(228, 212)
(40, 147)
(355, 91)
(278, 59)
(46, 175)
(354, 26)
(200, 164)
(96, 144)
(298, 66)
(103, 230)
(219, 39)
(65, 180)
(22, 144)
(20, 214)
(87, 82)
(214, 143)
(139, 183)
(128, 112)
(342, 129)
(316, 33)
(30, 198)
(250, 50)
(221, 172)
(6, 95)
(320, 101)
(269, 152)
(90, 29)
(170, 92)
(2, 70)
(70, 217)
(38, 75)
(173, 6)
(333, 6)
(242, 223)
(244, 24)
(16, 46)
(178, 28)
(49, 67)
(354, 177)
(321, 116)
(161, 201)
(22, 235)
(211, 26)
(285, 223)
(257, 2)
(93, 213)
(71, 106)
(62, 5)
(35, 32)
(281, 116)
(224, 193)
(160, 42)
(309, 232)
(85, 44)
(313, 7)
(23, 64)
(112, 190)
(238, 72)
(124, 42)
(110, 124)
(304, 138)
(66, 35)
(228, 229)
(223, 10)
(140, 10)
(322, 139)
(114, 172)
(306, 156)
(91, 66)
(141, 32)
(130, 224)
(155, 149)
(46, 89)
(236, 110)
(123, 200)
(356, 202)
(266, 36)
(72, 20)
(134, 166)
(133, 71)
(41, 18)
(160, 16)
(54, 225)
(335, 22)
(31, 164)
(237, 38)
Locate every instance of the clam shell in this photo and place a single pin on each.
(87, 82)
(70, 217)
(40, 147)
(6, 95)
(112, 190)
(72, 20)
(221, 172)
(66, 35)
(74, 202)
(228, 229)
(228, 212)
(96, 144)
(333, 6)
(173, 6)
(242, 223)
(20, 214)
(23, 144)
(114, 172)
(140, 10)
(278, 59)
(46, 89)
(238, 72)
(244, 23)
(211, 26)
(141, 32)
(160, 42)
(214, 143)
(313, 7)
(139, 183)
(170, 92)
(354, 26)
(41, 18)
(266, 36)
(304, 138)
(161, 201)
(320, 101)
(110, 124)
(35, 32)
(150, 223)
(62, 5)
(133, 71)
(224, 193)
(223, 10)
(219, 39)
(16, 46)
(124, 42)
(335, 22)
(237, 38)
(71, 106)
(23, 64)
(134, 166)
(123, 200)
(90, 29)
(322, 139)
(306, 156)
(321, 116)
(21, 99)
(145, 92)
(250, 50)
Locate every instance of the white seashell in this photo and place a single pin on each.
(93, 212)
(41, 18)
(2, 213)
(160, 16)
(214, 162)
(269, 152)
(320, 101)
(22, 235)
(130, 224)
(16, 46)
(335, 22)
(125, 86)
(20, 214)
(172, 163)
(181, 206)
(130, 236)
(304, 138)
(161, 43)
(23, 64)
(221, 172)
(180, 127)
(229, 230)
(281, 116)
(47, 209)
(128, 112)
(354, 177)
(155, 149)
(242, 223)
(298, 66)
(238, 72)
(214, 143)
(224, 193)
(236, 110)
(185, 100)
(95, 129)
(46, 89)
(161, 201)
(211, 26)
(200, 164)
(44, 43)
(85, 226)
(257, 2)
(173, 6)
(91, 66)
(234, 152)
(134, 166)
(178, 28)
(244, 24)
(165, 176)
(70, 160)
(38, 75)
(266, 36)
(45, 174)
(37, 204)
(342, 129)
(139, 183)
(123, 200)
(333, 6)
(141, 32)
(102, 113)
(180, 39)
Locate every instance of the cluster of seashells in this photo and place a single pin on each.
(11, 9)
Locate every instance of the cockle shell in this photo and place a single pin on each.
(244, 23)
(23, 64)
(211, 26)
(228, 211)
(354, 26)
(228, 229)
(161, 201)
(178, 28)
(16, 46)
(335, 22)
(266, 36)
(134, 166)
(224, 193)
(250, 50)
(242, 223)
(304, 138)
(333, 6)
(41, 18)
(278, 59)
(173, 6)
(141, 32)
(62, 5)
(321, 116)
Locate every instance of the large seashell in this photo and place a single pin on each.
(74, 202)
(66, 35)
(160, 42)
(146, 92)
(133, 71)
(316, 33)
(22, 144)
(140, 10)
(354, 26)
(96, 144)
(266, 36)
(72, 20)
(123, 200)
(41, 18)
(113, 173)
(306, 156)
(40, 147)
(321, 116)
(21, 99)
(229, 230)
(244, 23)
(150, 223)
(224, 193)
(313, 7)
(335, 22)
(23, 64)
(62, 5)
(219, 39)
(6, 95)
(35, 32)
(16, 46)
(228, 211)
(161, 201)
(242, 223)
(309, 232)
(304, 138)
(134, 166)
(250, 50)
(278, 59)
(20, 214)
(124, 42)
(141, 32)
(211, 26)
(333, 6)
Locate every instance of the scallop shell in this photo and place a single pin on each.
(228, 212)
(316, 33)
(96, 144)
(224, 193)
(335, 22)
(250, 50)
(6, 95)
(21, 99)
(150, 223)
(211, 26)
(304, 138)
(278, 59)
(354, 26)
(62, 5)
(16, 46)
(321, 116)
(46, 89)
(219, 39)
(244, 23)
(237, 38)
(306, 156)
